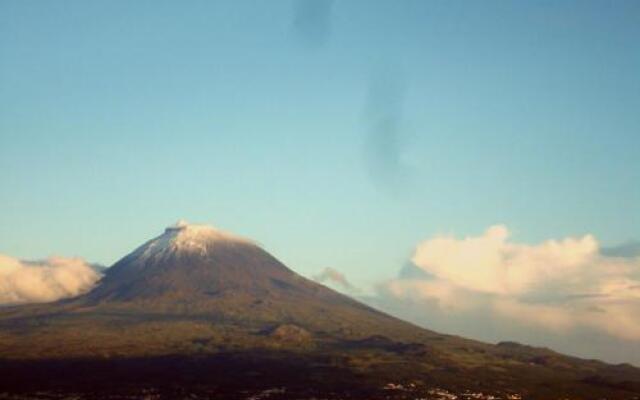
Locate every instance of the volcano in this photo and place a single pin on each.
(201, 273)
(198, 270)
(198, 312)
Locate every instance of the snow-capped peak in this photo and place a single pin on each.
(185, 237)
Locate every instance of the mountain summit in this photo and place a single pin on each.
(188, 238)
(197, 307)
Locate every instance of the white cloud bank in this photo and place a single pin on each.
(44, 281)
(563, 286)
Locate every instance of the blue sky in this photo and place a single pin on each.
(118, 118)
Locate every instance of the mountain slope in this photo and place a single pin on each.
(205, 299)
(198, 275)
(199, 272)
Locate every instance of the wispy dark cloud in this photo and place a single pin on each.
(384, 128)
(312, 21)
(627, 250)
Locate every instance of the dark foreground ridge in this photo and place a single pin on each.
(274, 375)
(198, 313)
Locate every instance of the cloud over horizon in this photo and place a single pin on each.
(558, 287)
(44, 281)
(335, 277)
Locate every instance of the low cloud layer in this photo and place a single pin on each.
(489, 286)
(333, 277)
(44, 281)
